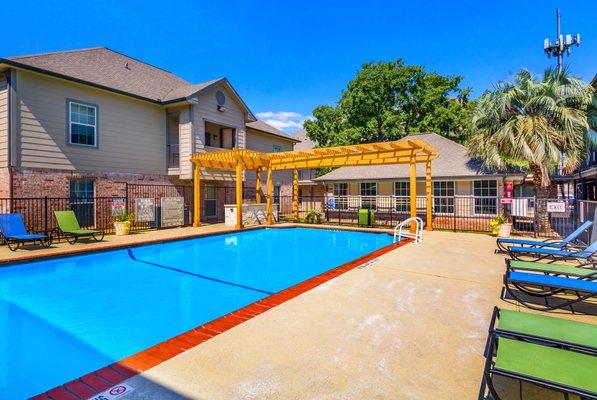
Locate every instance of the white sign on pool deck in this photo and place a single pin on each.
(114, 392)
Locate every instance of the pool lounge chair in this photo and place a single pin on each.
(566, 270)
(549, 352)
(547, 287)
(544, 329)
(584, 257)
(69, 226)
(504, 243)
(14, 233)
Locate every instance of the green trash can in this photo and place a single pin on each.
(366, 217)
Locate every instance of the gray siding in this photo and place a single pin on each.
(185, 130)
(265, 143)
(131, 133)
(206, 110)
(3, 121)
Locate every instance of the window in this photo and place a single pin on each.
(82, 124)
(277, 148)
(402, 194)
(209, 202)
(443, 197)
(340, 192)
(277, 194)
(81, 193)
(369, 195)
(485, 193)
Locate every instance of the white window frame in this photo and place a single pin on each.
(70, 123)
(276, 148)
(402, 201)
(370, 199)
(482, 197)
(437, 198)
(340, 200)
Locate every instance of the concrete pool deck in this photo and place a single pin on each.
(412, 325)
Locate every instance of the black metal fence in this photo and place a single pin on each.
(457, 213)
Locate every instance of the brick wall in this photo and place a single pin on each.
(29, 182)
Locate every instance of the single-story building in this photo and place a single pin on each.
(462, 186)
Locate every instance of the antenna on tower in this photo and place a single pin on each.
(562, 44)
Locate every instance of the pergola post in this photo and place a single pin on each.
(428, 202)
(269, 187)
(413, 191)
(196, 196)
(258, 186)
(295, 194)
(239, 196)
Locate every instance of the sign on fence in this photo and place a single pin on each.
(118, 206)
(145, 210)
(172, 211)
(556, 206)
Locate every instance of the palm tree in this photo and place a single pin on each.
(534, 124)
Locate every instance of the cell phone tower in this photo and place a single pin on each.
(562, 44)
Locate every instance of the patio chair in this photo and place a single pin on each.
(14, 233)
(547, 287)
(584, 257)
(560, 368)
(504, 243)
(69, 226)
(543, 329)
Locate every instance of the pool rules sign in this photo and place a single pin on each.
(172, 211)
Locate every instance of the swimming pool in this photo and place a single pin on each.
(64, 317)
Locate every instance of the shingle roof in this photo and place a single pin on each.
(114, 71)
(263, 127)
(453, 162)
(305, 143)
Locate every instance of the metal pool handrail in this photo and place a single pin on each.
(417, 235)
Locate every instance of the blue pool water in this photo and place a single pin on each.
(62, 318)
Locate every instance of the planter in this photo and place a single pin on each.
(505, 230)
(122, 228)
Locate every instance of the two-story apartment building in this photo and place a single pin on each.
(84, 122)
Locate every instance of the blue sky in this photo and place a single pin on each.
(285, 58)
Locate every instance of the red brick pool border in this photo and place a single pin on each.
(96, 382)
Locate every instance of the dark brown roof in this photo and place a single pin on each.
(266, 128)
(111, 70)
(453, 162)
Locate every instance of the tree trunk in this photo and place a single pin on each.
(543, 191)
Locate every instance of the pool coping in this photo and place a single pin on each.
(67, 252)
(96, 382)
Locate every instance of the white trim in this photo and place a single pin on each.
(70, 123)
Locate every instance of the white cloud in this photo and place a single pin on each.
(287, 121)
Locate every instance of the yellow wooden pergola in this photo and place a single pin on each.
(410, 152)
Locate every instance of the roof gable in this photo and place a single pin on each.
(110, 70)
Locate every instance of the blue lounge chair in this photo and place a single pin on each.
(539, 286)
(584, 257)
(504, 243)
(14, 233)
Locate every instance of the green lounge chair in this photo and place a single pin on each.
(563, 370)
(69, 226)
(544, 329)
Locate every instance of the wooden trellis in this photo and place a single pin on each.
(410, 152)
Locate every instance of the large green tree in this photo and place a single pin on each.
(388, 100)
(534, 123)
